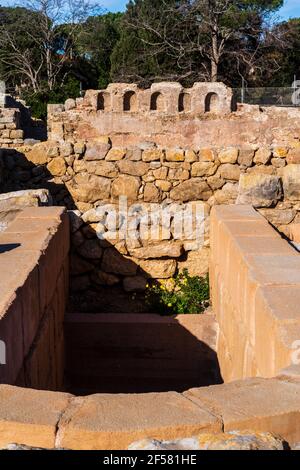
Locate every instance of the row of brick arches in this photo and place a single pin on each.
(157, 102)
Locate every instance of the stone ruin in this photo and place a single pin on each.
(81, 355)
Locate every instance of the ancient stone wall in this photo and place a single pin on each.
(255, 281)
(34, 288)
(170, 116)
(11, 133)
(86, 176)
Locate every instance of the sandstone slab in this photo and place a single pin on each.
(115, 421)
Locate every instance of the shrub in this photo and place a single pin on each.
(184, 294)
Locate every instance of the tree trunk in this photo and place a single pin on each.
(214, 71)
(214, 57)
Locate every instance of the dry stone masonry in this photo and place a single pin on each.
(172, 147)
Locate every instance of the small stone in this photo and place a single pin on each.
(66, 149)
(113, 262)
(163, 185)
(127, 186)
(134, 284)
(191, 190)
(229, 172)
(278, 162)
(229, 155)
(227, 195)
(215, 182)
(89, 188)
(79, 148)
(133, 168)
(115, 155)
(293, 156)
(161, 173)
(90, 249)
(105, 279)
(206, 155)
(134, 154)
(151, 193)
(96, 151)
(157, 269)
(179, 174)
(175, 155)
(53, 152)
(262, 155)
(190, 156)
(57, 166)
(245, 158)
(160, 250)
(152, 154)
(102, 168)
(37, 154)
(204, 169)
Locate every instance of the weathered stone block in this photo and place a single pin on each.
(259, 190)
(126, 186)
(152, 154)
(157, 269)
(89, 188)
(134, 284)
(96, 151)
(229, 155)
(97, 419)
(191, 190)
(113, 262)
(203, 169)
(229, 171)
(159, 250)
(291, 182)
(57, 166)
(262, 155)
(133, 168)
(115, 154)
(176, 155)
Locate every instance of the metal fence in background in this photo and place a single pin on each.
(288, 96)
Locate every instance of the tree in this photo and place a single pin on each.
(19, 59)
(49, 32)
(198, 35)
(98, 39)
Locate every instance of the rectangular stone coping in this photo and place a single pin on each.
(267, 265)
(114, 421)
(262, 404)
(21, 247)
(144, 318)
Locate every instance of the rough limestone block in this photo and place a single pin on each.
(259, 190)
(291, 182)
(234, 440)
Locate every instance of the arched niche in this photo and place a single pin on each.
(157, 102)
(211, 103)
(103, 101)
(184, 102)
(129, 101)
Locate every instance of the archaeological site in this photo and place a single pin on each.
(127, 191)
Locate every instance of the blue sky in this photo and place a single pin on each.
(291, 8)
